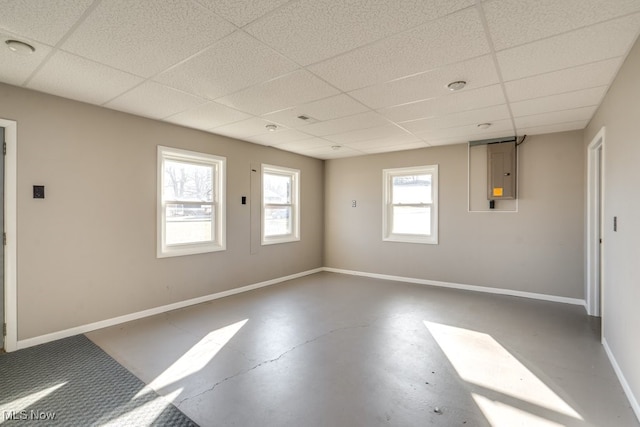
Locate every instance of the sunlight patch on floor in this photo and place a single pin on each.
(197, 357)
(18, 405)
(479, 359)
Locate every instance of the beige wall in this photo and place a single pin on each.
(538, 249)
(88, 251)
(619, 113)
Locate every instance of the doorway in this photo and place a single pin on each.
(8, 288)
(595, 209)
(2, 245)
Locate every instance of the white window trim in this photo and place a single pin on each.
(295, 204)
(219, 203)
(387, 206)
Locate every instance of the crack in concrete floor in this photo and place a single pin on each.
(266, 362)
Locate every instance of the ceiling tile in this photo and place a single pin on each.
(15, 69)
(590, 44)
(571, 79)
(565, 101)
(241, 12)
(326, 152)
(561, 127)
(472, 117)
(44, 21)
(451, 103)
(78, 78)
(390, 141)
(297, 88)
(346, 124)
(448, 40)
(309, 31)
(322, 110)
(145, 36)
(387, 131)
(556, 117)
(514, 22)
(154, 100)
(277, 138)
(467, 138)
(469, 132)
(236, 62)
(207, 116)
(245, 128)
(390, 148)
(330, 153)
(307, 144)
(476, 72)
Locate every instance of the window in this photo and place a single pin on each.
(190, 202)
(410, 212)
(280, 204)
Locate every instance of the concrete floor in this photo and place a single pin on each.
(336, 350)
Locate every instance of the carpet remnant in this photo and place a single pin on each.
(73, 382)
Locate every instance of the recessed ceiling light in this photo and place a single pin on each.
(271, 128)
(457, 85)
(19, 47)
(484, 125)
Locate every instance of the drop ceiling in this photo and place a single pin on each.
(370, 75)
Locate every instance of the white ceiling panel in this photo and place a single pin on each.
(299, 87)
(15, 69)
(44, 21)
(388, 131)
(483, 115)
(322, 110)
(346, 124)
(153, 100)
(144, 37)
(561, 127)
(590, 44)
(277, 138)
(307, 144)
(556, 117)
(448, 40)
(568, 80)
(327, 153)
(371, 75)
(565, 101)
(452, 103)
(389, 141)
(515, 22)
(321, 29)
(476, 72)
(390, 148)
(234, 63)
(207, 116)
(245, 128)
(78, 78)
(241, 12)
(469, 132)
(471, 137)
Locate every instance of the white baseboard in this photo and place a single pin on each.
(29, 342)
(499, 291)
(623, 381)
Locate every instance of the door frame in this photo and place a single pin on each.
(10, 228)
(595, 213)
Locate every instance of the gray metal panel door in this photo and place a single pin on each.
(2, 320)
(501, 171)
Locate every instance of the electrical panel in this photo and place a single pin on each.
(501, 170)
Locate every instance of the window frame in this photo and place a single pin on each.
(294, 174)
(387, 205)
(218, 203)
